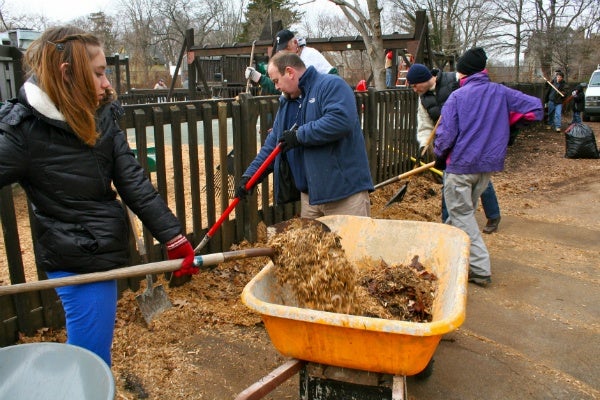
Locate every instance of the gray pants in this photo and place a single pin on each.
(462, 193)
(358, 204)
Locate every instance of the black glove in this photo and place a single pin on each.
(418, 158)
(241, 191)
(440, 163)
(289, 140)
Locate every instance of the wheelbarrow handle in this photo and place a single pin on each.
(136, 270)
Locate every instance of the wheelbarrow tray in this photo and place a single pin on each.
(365, 343)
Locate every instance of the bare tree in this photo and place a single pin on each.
(350, 64)
(555, 21)
(173, 17)
(264, 12)
(228, 17)
(23, 21)
(442, 14)
(368, 23)
(512, 15)
(136, 17)
(455, 25)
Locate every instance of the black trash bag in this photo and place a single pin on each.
(580, 142)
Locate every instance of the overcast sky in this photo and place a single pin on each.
(66, 10)
(58, 10)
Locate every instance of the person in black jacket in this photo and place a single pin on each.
(578, 103)
(433, 90)
(59, 139)
(555, 95)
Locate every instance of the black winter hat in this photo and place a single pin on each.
(472, 61)
(418, 73)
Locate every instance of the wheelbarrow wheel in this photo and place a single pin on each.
(426, 373)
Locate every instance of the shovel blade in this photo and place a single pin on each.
(153, 301)
(398, 196)
(298, 223)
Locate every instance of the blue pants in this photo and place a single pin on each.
(554, 114)
(489, 201)
(90, 311)
(388, 78)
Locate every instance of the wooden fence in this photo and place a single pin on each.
(194, 152)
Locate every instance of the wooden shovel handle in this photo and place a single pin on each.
(406, 174)
(136, 270)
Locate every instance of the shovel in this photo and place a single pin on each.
(154, 300)
(402, 191)
(552, 86)
(205, 262)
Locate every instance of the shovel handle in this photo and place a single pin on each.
(413, 171)
(553, 87)
(249, 185)
(119, 273)
(249, 65)
(136, 270)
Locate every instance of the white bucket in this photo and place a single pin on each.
(53, 371)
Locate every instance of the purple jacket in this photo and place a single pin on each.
(474, 131)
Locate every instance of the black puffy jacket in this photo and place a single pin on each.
(433, 102)
(79, 224)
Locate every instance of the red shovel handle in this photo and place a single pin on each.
(269, 160)
(249, 185)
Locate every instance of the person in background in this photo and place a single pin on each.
(285, 40)
(433, 92)
(388, 69)
(578, 103)
(471, 143)
(59, 139)
(555, 97)
(160, 84)
(326, 152)
(361, 86)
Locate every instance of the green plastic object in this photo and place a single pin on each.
(54, 371)
(150, 158)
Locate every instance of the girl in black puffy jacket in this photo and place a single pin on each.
(60, 140)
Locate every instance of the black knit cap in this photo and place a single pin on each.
(418, 73)
(472, 61)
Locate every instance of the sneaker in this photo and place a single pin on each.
(548, 127)
(480, 280)
(492, 225)
(557, 129)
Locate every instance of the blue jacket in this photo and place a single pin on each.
(474, 131)
(331, 163)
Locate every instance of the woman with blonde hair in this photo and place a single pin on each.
(59, 139)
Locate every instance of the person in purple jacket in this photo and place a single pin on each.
(471, 144)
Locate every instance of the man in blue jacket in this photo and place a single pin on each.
(319, 130)
(471, 144)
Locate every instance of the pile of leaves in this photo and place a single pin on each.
(402, 292)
